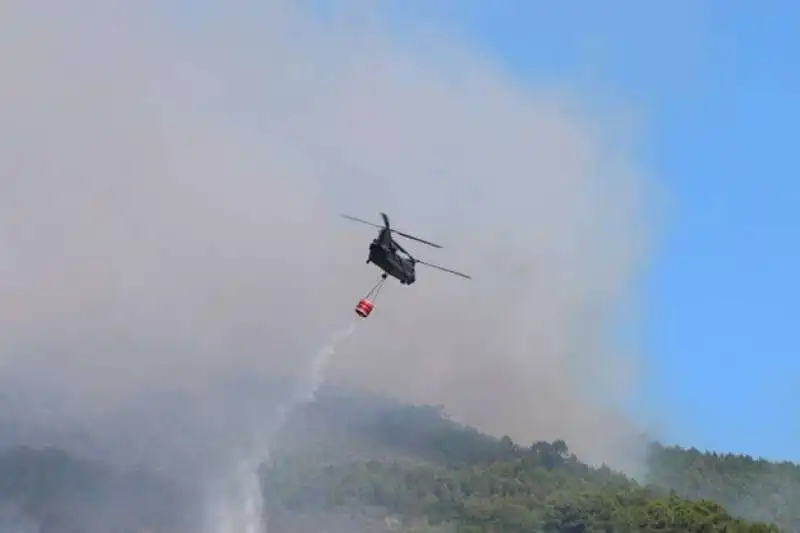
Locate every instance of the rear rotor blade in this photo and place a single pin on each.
(444, 269)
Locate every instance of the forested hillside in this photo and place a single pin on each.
(430, 473)
(355, 464)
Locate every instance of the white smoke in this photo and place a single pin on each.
(171, 253)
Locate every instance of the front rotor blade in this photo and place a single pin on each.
(361, 220)
(444, 269)
(407, 236)
(386, 220)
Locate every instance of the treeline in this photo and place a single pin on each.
(754, 488)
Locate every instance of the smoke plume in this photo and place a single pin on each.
(170, 184)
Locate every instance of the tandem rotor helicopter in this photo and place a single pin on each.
(388, 255)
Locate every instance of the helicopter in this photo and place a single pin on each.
(393, 260)
(388, 255)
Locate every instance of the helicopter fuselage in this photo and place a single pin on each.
(383, 252)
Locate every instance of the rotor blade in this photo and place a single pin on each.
(386, 222)
(362, 221)
(407, 236)
(444, 269)
(400, 247)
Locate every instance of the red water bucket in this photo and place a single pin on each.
(364, 308)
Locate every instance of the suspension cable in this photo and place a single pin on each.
(373, 293)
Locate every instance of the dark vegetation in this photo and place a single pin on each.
(350, 464)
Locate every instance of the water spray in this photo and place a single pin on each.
(242, 511)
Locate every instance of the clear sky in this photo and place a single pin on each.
(716, 83)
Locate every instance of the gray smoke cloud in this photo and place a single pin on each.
(170, 184)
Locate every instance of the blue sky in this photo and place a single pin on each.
(716, 85)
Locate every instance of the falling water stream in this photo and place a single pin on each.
(240, 507)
